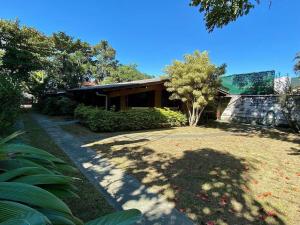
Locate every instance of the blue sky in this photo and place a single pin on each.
(154, 33)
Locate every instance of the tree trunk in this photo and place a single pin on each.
(292, 124)
(194, 116)
(287, 111)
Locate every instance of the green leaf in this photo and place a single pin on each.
(59, 218)
(10, 137)
(11, 164)
(21, 172)
(26, 149)
(62, 186)
(44, 179)
(66, 168)
(31, 195)
(61, 193)
(15, 213)
(118, 218)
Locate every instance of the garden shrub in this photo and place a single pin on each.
(10, 98)
(57, 106)
(138, 119)
(66, 106)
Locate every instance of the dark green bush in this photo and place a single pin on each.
(57, 106)
(33, 185)
(102, 120)
(66, 106)
(10, 98)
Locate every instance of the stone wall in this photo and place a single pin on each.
(263, 110)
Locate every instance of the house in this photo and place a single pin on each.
(129, 95)
(126, 95)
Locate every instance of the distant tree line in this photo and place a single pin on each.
(42, 63)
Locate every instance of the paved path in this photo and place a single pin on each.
(121, 190)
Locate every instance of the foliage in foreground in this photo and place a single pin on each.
(31, 185)
(10, 97)
(102, 120)
(195, 82)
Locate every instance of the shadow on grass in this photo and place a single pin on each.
(294, 151)
(281, 134)
(206, 184)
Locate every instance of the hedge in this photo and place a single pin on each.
(57, 106)
(138, 119)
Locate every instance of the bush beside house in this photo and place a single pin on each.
(98, 119)
(57, 106)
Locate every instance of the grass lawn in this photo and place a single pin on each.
(222, 173)
(91, 204)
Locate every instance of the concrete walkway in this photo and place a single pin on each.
(122, 191)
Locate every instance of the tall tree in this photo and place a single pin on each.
(288, 100)
(125, 73)
(105, 60)
(297, 65)
(2, 52)
(194, 81)
(70, 62)
(26, 50)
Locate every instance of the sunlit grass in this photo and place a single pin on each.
(226, 174)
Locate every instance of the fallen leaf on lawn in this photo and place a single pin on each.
(223, 201)
(246, 167)
(271, 213)
(298, 174)
(262, 217)
(245, 188)
(202, 196)
(264, 195)
(210, 223)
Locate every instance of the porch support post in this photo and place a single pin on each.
(219, 109)
(123, 102)
(157, 98)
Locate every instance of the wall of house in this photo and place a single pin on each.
(263, 110)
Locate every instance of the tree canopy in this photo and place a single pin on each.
(297, 65)
(59, 61)
(218, 13)
(105, 60)
(125, 73)
(2, 52)
(26, 50)
(194, 81)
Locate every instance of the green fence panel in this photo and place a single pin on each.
(258, 83)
